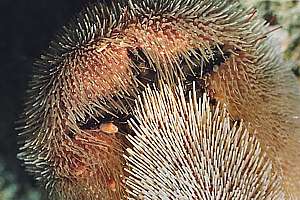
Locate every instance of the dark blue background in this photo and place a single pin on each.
(26, 28)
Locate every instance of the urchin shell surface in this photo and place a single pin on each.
(84, 89)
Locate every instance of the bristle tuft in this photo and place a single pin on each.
(189, 149)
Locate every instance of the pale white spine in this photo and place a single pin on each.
(188, 149)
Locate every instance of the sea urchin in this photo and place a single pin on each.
(83, 93)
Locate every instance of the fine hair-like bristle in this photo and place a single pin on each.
(191, 149)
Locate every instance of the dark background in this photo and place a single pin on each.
(26, 28)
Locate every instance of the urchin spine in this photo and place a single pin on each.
(189, 149)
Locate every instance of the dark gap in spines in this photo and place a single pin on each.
(201, 66)
(213, 102)
(238, 122)
(121, 121)
(70, 134)
(296, 71)
(91, 123)
(197, 68)
(142, 67)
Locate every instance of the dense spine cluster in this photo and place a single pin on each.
(84, 89)
(273, 113)
(187, 148)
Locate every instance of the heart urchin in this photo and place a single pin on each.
(84, 89)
